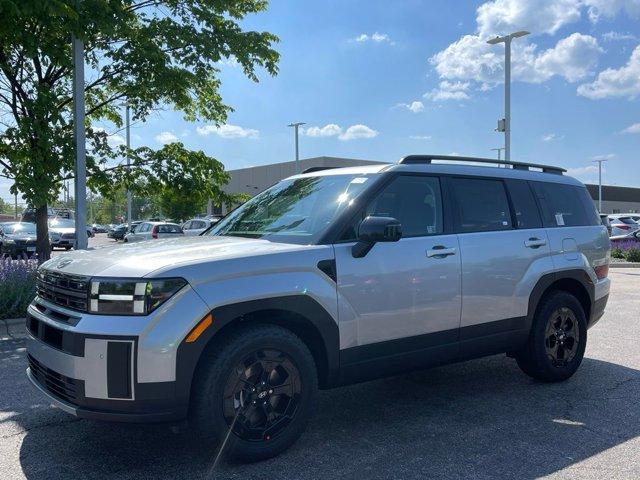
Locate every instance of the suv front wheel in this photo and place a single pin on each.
(557, 340)
(255, 390)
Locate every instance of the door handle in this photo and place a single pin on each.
(440, 251)
(534, 243)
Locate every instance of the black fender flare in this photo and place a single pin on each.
(302, 306)
(549, 279)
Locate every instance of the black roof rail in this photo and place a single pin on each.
(318, 169)
(417, 159)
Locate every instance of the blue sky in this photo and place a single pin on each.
(383, 79)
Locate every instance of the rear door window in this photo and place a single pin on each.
(169, 229)
(482, 205)
(524, 204)
(565, 205)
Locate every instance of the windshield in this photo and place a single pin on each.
(294, 211)
(20, 228)
(61, 223)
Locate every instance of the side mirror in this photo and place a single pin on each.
(373, 230)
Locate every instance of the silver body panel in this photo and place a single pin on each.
(397, 291)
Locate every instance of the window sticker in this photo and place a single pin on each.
(359, 180)
(559, 219)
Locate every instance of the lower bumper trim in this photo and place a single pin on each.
(153, 417)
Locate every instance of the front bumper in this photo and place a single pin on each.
(113, 368)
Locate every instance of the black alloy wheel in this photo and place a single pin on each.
(562, 337)
(262, 395)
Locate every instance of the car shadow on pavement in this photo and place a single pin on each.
(480, 419)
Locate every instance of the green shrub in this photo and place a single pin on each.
(617, 253)
(17, 286)
(632, 255)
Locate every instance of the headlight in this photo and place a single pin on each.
(131, 297)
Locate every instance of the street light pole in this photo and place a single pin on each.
(296, 126)
(128, 135)
(599, 162)
(499, 150)
(16, 205)
(507, 86)
(80, 181)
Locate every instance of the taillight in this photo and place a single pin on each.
(154, 232)
(602, 271)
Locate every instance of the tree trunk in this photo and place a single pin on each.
(43, 247)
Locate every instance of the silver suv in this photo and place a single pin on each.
(327, 278)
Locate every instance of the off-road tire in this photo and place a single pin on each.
(215, 368)
(534, 359)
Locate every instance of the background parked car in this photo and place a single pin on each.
(622, 224)
(604, 218)
(97, 228)
(62, 233)
(118, 232)
(154, 230)
(196, 226)
(18, 239)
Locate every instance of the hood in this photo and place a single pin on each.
(62, 230)
(22, 236)
(143, 258)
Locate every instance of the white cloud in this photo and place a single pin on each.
(358, 131)
(115, 140)
(420, 137)
(471, 58)
(166, 137)
(621, 82)
(448, 91)
(374, 37)
(328, 130)
(415, 106)
(500, 17)
(607, 156)
(331, 130)
(610, 8)
(583, 172)
(228, 131)
(618, 36)
(635, 128)
(551, 137)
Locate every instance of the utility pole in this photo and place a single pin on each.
(599, 162)
(128, 128)
(296, 126)
(506, 125)
(16, 205)
(79, 140)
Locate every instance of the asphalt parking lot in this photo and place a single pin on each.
(482, 419)
(99, 240)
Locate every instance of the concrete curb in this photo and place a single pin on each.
(624, 265)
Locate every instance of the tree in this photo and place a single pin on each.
(149, 53)
(179, 181)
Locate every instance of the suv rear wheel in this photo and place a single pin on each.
(257, 390)
(557, 341)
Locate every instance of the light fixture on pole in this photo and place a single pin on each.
(506, 125)
(599, 162)
(296, 126)
(80, 183)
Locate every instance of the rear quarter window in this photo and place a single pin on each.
(565, 205)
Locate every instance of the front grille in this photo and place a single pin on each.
(68, 236)
(63, 289)
(55, 383)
